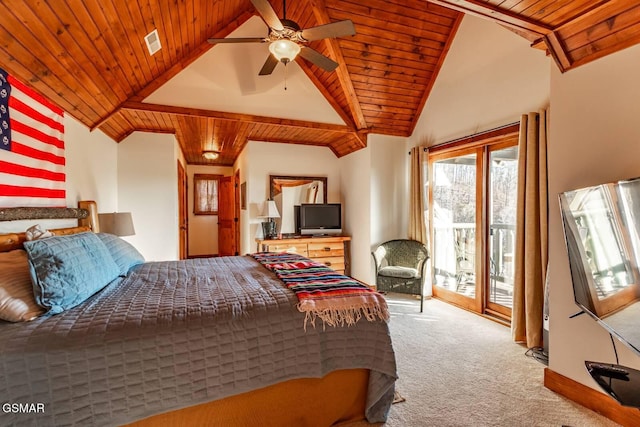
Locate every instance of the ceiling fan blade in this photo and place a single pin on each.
(268, 14)
(318, 59)
(335, 29)
(238, 40)
(268, 66)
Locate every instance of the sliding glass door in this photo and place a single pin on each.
(502, 197)
(472, 199)
(454, 208)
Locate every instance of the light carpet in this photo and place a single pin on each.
(459, 369)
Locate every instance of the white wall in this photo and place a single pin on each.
(594, 138)
(355, 184)
(203, 229)
(258, 160)
(148, 188)
(489, 78)
(91, 165)
(389, 176)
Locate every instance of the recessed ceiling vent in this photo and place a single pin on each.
(153, 42)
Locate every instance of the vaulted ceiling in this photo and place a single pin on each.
(90, 58)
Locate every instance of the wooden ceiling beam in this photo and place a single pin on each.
(362, 137)
(320, 12)
(494, 13)
(280, 140)
(221, 115)
(527, 28)
(172, 71)
(557, 51)
(348, 119)
(606, 20)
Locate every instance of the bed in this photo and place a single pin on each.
(213, 341)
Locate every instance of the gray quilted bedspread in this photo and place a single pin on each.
(175, 334)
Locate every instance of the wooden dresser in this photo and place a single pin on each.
(331, 251)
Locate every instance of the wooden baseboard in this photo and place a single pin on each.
(592, 399)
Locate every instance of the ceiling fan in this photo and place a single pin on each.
(287, 40)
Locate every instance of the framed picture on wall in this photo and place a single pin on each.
(243, 196)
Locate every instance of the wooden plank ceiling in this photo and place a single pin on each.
(89, 57)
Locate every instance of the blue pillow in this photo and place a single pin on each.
(123, 253)
(66, 270)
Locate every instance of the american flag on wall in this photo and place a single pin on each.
(31, 147)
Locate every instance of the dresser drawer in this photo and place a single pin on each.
(333, 262)
(332, 251)
(327, 249)
(294, 248)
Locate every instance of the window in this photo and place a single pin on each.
(205, 194)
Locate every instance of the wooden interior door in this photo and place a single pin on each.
(236, 184)
(226, 217)
(183, 217)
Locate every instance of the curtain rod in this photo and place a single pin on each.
(470, 136)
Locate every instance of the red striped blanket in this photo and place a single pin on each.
(322, 292)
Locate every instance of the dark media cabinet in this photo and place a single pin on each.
(620, 382)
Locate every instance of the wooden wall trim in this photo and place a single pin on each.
(591, 399)
(488, 137)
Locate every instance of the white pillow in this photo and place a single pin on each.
(37, 232)
(17, 303)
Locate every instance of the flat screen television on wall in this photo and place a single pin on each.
(320, 218)
(602, 234)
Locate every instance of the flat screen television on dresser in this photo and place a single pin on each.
(320, 218)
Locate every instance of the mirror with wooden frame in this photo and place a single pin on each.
(291, 191)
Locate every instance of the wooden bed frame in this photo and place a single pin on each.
(337, 399)
(87, 215)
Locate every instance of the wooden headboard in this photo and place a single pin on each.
(86, 213)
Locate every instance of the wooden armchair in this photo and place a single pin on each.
(401, 266)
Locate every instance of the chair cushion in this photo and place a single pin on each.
(397, 271)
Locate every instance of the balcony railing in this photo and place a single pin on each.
(454, 259)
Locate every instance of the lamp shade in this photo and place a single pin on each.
(270, 210)
(117, 223)
(284, 50)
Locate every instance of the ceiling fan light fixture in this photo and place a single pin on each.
(210, 155)
(284, 50)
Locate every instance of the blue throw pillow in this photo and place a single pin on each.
(66, 270)
(123, 253)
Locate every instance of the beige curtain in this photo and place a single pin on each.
(531, 231)
(417, 203)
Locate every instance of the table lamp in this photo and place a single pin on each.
(269, 211)
(117, 223)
